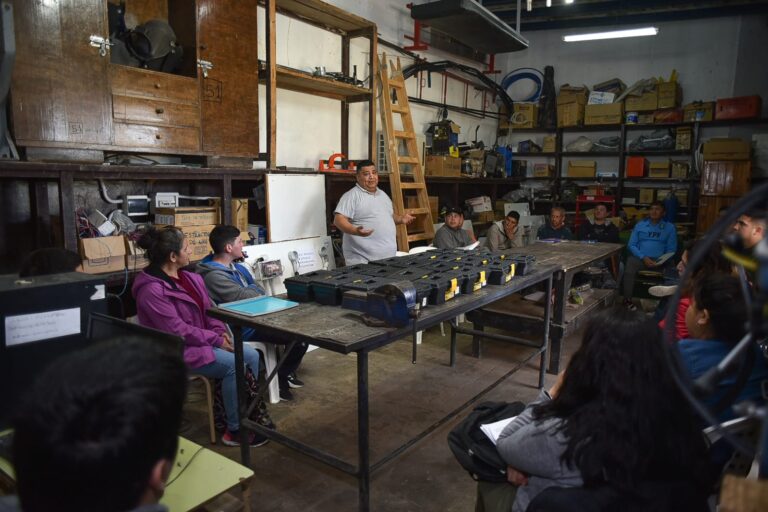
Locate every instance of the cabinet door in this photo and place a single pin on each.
(226, 37)
(59, 87)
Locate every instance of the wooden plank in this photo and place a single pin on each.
(321, 13)
(299, 81)
(271, 77)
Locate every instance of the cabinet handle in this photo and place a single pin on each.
(158, 136)
(157, 85)
(159, 110)
(203, 46)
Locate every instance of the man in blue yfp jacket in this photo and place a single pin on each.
(227, 281)
(651, 238)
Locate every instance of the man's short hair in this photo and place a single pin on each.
(222, 235)
(658, 203)
(364, 163)
(603, 205)
(757, 215)
(514, 214)
(557, 209)
(94, 425)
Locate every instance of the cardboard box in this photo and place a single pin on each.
(727, 149)
(187, 216)
(645, 119)
(645, 196)
(680, 170)
(484, 216)
(240, 214)
(636, 166)
(647, 101)
(682, 197)
(610, 113)
(582, 168)
(102, 254)
(543, 170)
(670, 95)
(570, 114)
(198, 240)
(480, 204)
(438, 165)
(572, 94)
(743, 107)
(658, 169)
(668, 115)
(526, 115)
(600, 98)
(699, 111)
(683, 137)
(135, 258)
(550, 144)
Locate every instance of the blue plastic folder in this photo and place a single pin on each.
(258, 306)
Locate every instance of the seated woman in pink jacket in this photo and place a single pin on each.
(174, 300)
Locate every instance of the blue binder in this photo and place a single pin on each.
(258, 306)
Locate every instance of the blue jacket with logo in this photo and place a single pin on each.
(653, 240)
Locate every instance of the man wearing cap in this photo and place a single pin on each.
(451, 235)
(366, 217)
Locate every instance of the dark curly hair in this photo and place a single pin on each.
(50, 260)
(624, 417)
(713, 263)
(160, 243)
(722, 297)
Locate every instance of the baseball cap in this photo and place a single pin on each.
(454, 209)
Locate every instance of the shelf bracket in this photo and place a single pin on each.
(418, 45)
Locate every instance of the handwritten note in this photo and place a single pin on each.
(22, 329)
(307, 259)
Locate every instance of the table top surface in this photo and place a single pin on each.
(343, 330)
(567, 254)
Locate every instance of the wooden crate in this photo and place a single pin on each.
(709, 211)
(725, 178)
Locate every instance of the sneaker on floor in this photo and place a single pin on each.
(630, 305)
(293, 381)
(233, 439)
(662, 291)
(285, 394)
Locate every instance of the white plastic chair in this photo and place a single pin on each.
(269, 354)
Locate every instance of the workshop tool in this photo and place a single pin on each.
(345, 166)
(394, 86)
(394, 303)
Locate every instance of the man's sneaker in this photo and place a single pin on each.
(662, 291)
(293, 381)
(285, 393)
(630, 305)
(233, 439)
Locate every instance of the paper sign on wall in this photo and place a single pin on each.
(20, 329)
(307, 259)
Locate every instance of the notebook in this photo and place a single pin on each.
(258, 306)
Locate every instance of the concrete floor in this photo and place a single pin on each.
(405, 399)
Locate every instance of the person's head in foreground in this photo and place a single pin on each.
(98, 429)
(50, 260)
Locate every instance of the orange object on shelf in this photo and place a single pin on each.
(743, 107)
(636, 166)
(330, 164)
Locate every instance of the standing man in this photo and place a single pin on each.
(601, 230)
(751, 228)
(505, 235)
(228, 281)
(451, 235)
(366, 217)
(651, 238)
(556, 226)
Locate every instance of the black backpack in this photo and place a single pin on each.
(472, 448)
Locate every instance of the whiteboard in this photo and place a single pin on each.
(295, 206)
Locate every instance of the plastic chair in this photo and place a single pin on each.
(269, 353)
(209, 402)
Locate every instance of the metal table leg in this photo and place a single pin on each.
(561, 297)
(363, 441)
(454, 324)
(242, 402)
(545, 341)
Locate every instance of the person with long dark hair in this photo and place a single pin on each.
(174, 300)
(614, 419)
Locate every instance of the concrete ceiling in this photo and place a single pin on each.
(595, 13)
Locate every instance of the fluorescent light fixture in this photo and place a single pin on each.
(635, 32)
(549, 3)
(569, 1)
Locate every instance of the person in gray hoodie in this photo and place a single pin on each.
(614, 418)
(228, 280)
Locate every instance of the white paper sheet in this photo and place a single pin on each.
(20, 329)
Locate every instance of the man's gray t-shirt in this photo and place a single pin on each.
(447, 238)
(372, 211)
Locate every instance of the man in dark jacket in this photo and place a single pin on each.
(227, 281)
(601, 230)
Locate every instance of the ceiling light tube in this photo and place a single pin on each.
(635, 32)
(569, 1)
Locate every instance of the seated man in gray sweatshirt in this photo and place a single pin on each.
(451, 235)
(227, 281)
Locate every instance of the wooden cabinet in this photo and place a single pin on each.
(68, 97)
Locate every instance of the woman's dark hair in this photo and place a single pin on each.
(722, 297)
(51, 260)
(624, 417)
(713, 263)
(160, 243)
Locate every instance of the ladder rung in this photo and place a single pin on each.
(403, 135)
(412, 185)
(408, 159)
(397, 83)
(417, 211)
(415, 237)
(400, 109)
